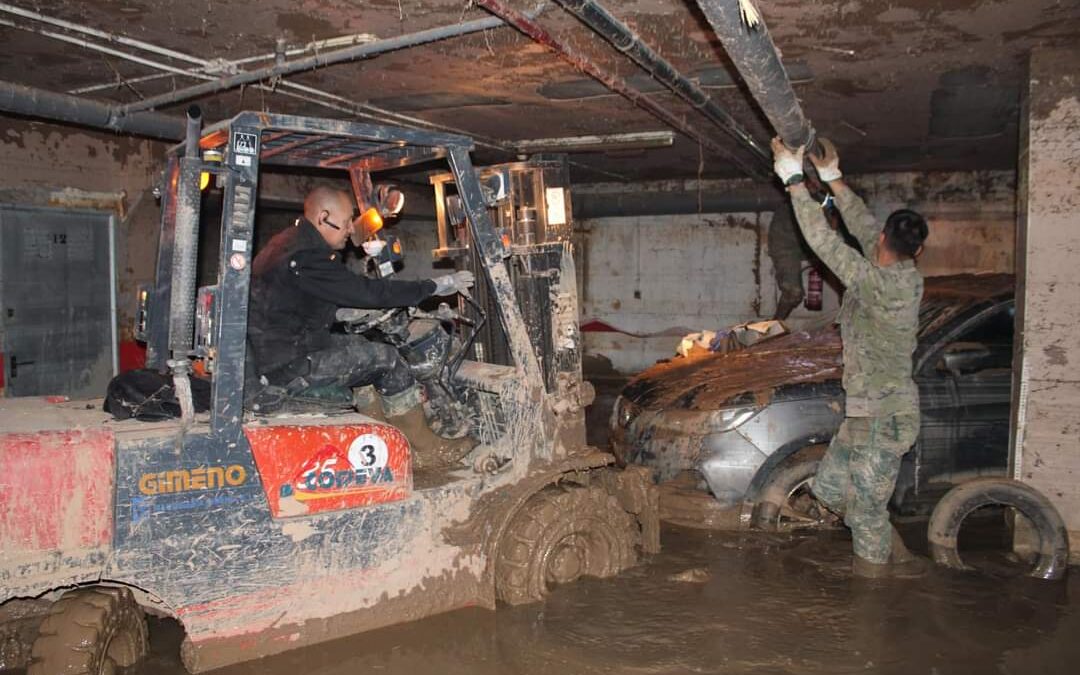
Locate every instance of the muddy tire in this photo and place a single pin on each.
(561, 534)
(95, 630)
(1052, 555)
(786, 503)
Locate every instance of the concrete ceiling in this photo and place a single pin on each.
(898, 84)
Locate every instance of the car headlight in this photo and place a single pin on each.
(727, 419)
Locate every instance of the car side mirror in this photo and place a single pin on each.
(961, 358)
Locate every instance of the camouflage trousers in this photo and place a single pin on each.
(858, 475)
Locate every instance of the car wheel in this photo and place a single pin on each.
(561, 534)
(944, 530)
(786, 502)
(95, 631)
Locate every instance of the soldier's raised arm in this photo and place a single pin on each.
(859, 221)
(845, 262)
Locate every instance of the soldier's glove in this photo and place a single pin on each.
(787, 164)
(827, 164)
(453, 283)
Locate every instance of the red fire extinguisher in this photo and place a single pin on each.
(813, 290)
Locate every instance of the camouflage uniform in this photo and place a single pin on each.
(878, 323)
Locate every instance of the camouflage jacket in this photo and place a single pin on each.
(879, 319)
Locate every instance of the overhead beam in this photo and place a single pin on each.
(596, 17)
(612, 81)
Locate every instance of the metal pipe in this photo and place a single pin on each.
(752, 51)
(312, 62)
(21, 100)
(757, 197)
(610, 80)
(194, 126)
(626, 41)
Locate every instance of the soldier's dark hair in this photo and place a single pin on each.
(905, 231)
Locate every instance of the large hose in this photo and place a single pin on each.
(755, 57)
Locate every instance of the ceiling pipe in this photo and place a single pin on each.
(20, 100)
(755, 57)
(612, 81)
(312, 62)
(620, 36)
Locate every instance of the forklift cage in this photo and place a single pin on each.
(246, 143)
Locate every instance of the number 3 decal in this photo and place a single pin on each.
(368, 451)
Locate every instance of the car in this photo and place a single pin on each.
(750, 426)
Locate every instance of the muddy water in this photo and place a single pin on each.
(727, 603)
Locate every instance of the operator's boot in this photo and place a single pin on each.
(406, 412)
(368, 402)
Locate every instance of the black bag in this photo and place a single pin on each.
(148, 395)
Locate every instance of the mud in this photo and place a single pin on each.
(719, 378)
(722, 603)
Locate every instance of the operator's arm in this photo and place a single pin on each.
(859, 221)
(318, 274)
(845, 262)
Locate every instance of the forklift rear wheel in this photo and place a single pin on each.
(561, 534)
(92, 630)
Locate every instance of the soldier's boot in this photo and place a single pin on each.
(903, 564)
(430, 451)
(368, 402)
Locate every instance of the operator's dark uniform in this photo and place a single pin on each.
(297, 284)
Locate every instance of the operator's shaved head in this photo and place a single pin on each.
(331, 212)
(324, 198)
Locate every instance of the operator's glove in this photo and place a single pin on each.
(787, 163)
(828, 164)
(453, 283)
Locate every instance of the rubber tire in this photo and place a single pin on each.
(92, 631)
(557, 515)
(958, 503)
(780, 484)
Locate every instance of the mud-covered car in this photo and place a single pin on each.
(750, 426)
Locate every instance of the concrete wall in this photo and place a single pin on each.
(1046, 450)
(50, 165)
(656, 277)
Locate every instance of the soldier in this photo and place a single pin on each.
(878, 324)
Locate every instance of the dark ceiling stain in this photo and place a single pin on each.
(306, 26)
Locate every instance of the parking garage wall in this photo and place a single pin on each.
(646, 280)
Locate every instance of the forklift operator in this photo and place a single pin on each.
(298, 282)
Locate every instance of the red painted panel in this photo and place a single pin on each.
(132, 355)
(311, 469)
(56, 490)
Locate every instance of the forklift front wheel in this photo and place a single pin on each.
(561, 534)
(93, 630)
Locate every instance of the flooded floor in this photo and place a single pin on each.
(724, 603)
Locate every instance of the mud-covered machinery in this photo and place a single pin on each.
(529, 206)
(262, 534)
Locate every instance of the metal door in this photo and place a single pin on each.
(57, 301)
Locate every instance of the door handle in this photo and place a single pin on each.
(15, 363)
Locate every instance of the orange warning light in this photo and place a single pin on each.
(370, 222)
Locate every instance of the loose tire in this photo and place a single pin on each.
(561, 534)
(785, 501)
(91, 631)
(958, 503)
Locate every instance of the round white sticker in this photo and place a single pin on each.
(368, 451)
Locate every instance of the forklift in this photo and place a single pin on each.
(264, 533)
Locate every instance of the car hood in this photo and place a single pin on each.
(712, 381)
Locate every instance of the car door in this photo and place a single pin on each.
(966, 383)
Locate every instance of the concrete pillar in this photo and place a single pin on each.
(1046, 405)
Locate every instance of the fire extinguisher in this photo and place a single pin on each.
(813, 290)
